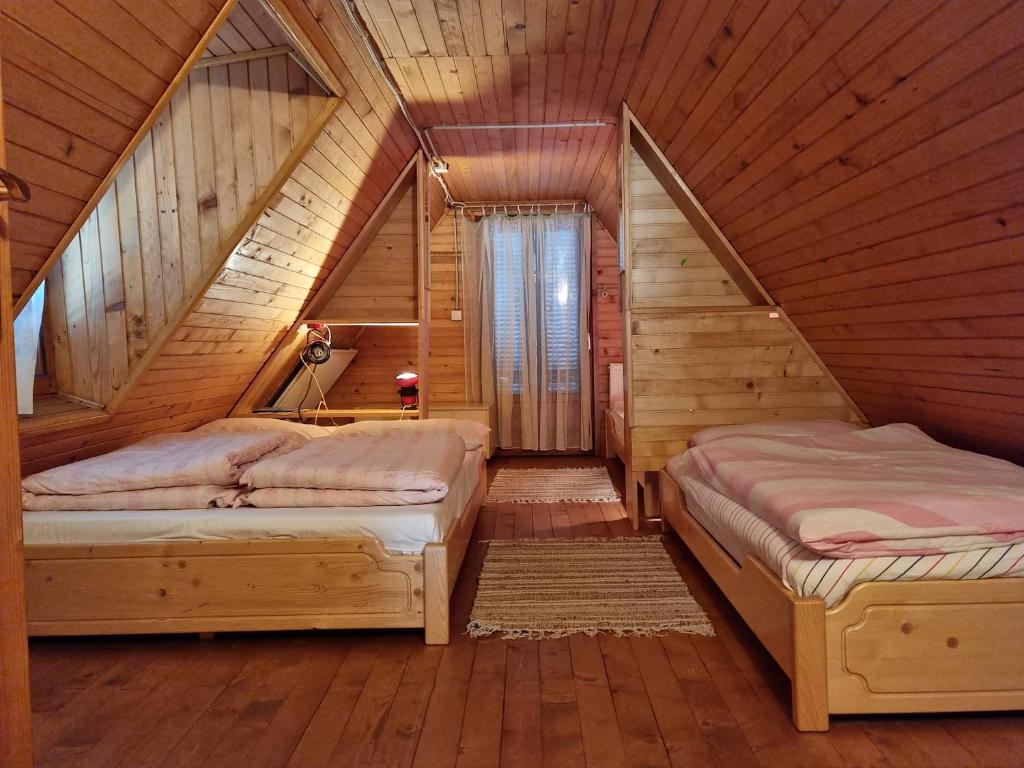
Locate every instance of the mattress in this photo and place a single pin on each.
(401, 529)
(741, 533)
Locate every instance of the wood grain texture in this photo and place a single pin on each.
(307, 699)
(606, 313)
(235, 325)
(143, 253)
(82, 78)
(15, 724)
(699, 353)
(861, 157)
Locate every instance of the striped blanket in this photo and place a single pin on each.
(741, 533)
(886, 491)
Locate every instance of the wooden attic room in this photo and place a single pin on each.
(512, 383)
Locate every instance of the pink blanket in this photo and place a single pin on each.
(161, 461)
(875, 492)
(425, 463)
(188, 497)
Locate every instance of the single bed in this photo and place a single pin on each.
(212, 570)
(905, 633)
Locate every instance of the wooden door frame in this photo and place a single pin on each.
(15, 704)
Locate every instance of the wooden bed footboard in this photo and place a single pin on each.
(927, 646)
(222, 586)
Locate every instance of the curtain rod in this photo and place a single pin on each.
(526, 209)
(514, 126)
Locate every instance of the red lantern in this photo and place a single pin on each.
(408, 393)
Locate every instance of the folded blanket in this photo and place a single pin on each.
(874, 492)
(162, 461)
(393, 461)
(188, 497)
(287, 498)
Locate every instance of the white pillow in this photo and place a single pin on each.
(255, 424)
(473, 433)
(815, 428)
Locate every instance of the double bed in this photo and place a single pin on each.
(926, 630)
(245, 568)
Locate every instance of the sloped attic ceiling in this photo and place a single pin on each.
(79, 80)
(864, 158)
(221, 339)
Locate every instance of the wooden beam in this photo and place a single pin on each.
(140, 134)
(15, 708)
(298, 24)
(691, 207)
(233, 58)
(422, 207)
(286, 353)
(175, 318)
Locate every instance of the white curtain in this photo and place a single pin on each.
(26, 348)
(527, 327)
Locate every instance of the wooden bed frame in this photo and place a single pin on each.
(221, 586)
(922, 646)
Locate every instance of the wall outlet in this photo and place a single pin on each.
(456, 314)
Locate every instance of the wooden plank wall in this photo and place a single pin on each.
(699, 354)
(671, 266)
(80, 78)
(143, 253)
(606, 319)
(447, 349)
(865, 160)
(368, 382)
(382, 286)
(222, 344)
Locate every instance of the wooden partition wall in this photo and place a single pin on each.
(704, 344)
(377, 300)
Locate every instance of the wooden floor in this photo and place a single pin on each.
(385, 699)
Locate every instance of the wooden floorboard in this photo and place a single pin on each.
(385, 700)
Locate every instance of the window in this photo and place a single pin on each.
(553, 271)
(27, 329)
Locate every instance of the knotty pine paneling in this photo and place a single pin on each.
(382, 286)
(863, 158)
(606, 319)
(368, 382)
(447, 347)
(248, 28)
(144, 251)
(699, 354)
(222, 344)
(671, 267)
(80, 78)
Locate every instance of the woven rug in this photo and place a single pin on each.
(540, 486)
(550, 588)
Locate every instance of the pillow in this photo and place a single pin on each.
(256, 424)
(473, 433)
(818, 428)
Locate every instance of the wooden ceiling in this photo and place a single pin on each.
(863, 157)
(248, 28)
(79, 79)
(487, 61)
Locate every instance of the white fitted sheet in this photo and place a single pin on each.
(401, 529)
